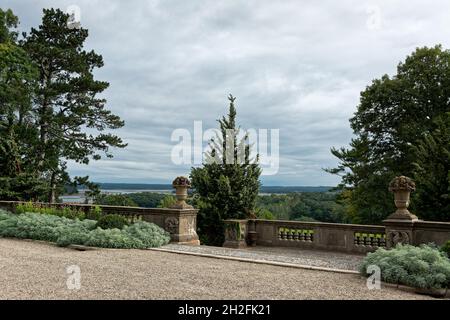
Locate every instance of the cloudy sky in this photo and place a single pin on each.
(297, 66)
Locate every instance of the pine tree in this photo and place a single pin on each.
(227, 185)
(66, 106)
(18, 75)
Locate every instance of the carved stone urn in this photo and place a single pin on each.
(181, 185)
(402, 187)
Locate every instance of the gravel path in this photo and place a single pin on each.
(327, 259)
(31, 270)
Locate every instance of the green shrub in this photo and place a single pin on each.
(95, 213)
(66, 231)
(168, 201)
(446, 248)
(419, 267)
(25, 207)
(41, 226)
(42, 209)
(73, 237)
(264, 214)
(112, 221)
(150, 234)
(113, 238)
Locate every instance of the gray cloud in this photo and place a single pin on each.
(296, 65)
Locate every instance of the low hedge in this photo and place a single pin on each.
(424, 267)
(112, 221)
(446, 248)
(66, 212)
(64, 231)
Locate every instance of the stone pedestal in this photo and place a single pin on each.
(180, 223)
(398, 231)
(400, 224)
(235, 233)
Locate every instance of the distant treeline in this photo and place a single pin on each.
(305, 206)
(263, 189)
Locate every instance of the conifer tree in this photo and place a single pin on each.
(227, 185)
(69, 115)
(18, 177)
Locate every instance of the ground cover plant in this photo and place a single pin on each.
(60, 212)
(65, 231)
(446, 248)
(424, 267)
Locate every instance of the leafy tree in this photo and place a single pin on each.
(67, 111)
(264, 214)
(167, 201)
(92, 192)
(305, 219)
(146, 199)
(308, 206)
(227, 185)
(8, 22)
(393, 115)
(432, 171)
(115, 200)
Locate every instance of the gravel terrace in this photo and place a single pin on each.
(327, 259)
(36, 270)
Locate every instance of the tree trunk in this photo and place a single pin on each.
(52, 193)
(43, 121)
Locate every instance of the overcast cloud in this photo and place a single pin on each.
(297, 66)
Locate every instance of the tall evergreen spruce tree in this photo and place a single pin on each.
(227, 185)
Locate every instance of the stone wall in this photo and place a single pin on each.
(180, 223)
(308, 235)
(351, 238)
(400, 227)
(430, 231)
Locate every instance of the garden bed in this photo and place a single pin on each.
(65, 232)
(424, 269)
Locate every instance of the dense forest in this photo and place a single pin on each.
(308, 206)
(311, 206)
(138, 199)
(156, 186)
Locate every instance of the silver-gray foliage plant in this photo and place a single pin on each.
(64, 231)
(421, 267)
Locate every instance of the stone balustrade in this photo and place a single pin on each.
(180, 223)
(311, 235)
(351, 238)
(400, 227)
